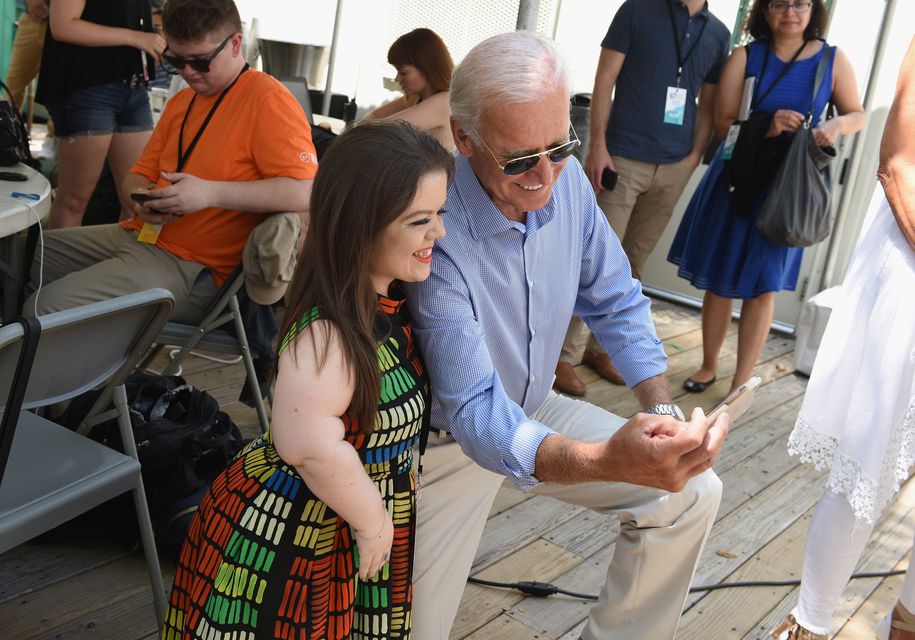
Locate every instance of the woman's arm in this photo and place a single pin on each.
(68, 26)
(388, 108)
(730, 90)
(309, 435)
(897, 149)
(848, 103)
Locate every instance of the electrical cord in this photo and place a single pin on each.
(544, 589)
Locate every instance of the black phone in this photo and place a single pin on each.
(140, 196)
(608, 179)
(13, 176)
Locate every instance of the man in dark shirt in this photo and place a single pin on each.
(657, 58)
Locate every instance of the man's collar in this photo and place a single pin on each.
(704, 12)
(484, 217)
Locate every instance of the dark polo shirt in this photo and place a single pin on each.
(642, 30)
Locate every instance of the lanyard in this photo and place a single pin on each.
(184, 155)
(681, 59)
(781, 74)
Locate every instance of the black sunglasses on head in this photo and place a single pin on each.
(517, 166)
(174, 64)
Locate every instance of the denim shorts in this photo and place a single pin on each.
(102, 110)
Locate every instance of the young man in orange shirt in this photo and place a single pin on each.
(229, 150)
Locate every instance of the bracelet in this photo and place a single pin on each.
(380, 529)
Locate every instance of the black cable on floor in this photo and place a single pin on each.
(545, 589)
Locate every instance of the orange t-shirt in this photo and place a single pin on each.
(258, 131)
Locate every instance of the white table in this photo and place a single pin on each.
(17, 215)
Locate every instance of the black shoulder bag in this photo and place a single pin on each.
(796, 210)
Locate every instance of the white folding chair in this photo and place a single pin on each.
(49, 474)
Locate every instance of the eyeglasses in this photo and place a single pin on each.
(517, 166)
(174, 64)
(782, 7)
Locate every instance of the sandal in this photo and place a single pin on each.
(790, 629)
(898, 618)
(694, 386)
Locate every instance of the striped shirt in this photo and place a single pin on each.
(492, 317)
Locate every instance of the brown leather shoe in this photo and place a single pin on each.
(601, 363)
(568, 382)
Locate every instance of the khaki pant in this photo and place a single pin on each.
(638, 211)
(87, 264)
(25, 60)
(661, 534)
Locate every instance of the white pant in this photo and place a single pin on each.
(835, 543)
(660, 541)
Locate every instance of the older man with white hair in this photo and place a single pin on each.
(526, 248)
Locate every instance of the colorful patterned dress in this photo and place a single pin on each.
(264, 558)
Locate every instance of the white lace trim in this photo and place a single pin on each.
(866, 495)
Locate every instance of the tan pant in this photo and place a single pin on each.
(638, 211)
(87, 264)
(661, 536)
(25, 60)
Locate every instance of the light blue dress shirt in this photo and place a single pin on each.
(492, 317)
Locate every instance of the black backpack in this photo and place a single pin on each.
(14, 139)
(183, 442)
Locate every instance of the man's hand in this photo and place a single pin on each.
(662, 452)
(185, 194)
(38, 9)
(151, 215)
(692, 161)
(598, 159)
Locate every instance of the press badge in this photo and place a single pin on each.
(675, 107)
(149, 233)
(730, 141)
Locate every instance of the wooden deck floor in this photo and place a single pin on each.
(93, 589)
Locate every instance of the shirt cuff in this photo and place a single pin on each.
(641, 360)
(520, 455)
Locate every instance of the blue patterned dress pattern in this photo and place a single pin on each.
(719, 251)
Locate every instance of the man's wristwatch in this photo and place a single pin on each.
(667, 410)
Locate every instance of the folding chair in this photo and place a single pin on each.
(49, 474)
(210, 337)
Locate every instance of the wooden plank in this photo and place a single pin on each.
(504, 628)
(36, 565)
(133, 618)
(554, 616)
(862, 623)
(481, 604)
(59, 605)
(519, 526)
(586, 533)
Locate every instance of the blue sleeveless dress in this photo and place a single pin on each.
(718, 251)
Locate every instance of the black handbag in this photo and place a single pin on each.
(14, 139)
(795, 213)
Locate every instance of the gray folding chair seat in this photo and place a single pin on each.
(49, 474)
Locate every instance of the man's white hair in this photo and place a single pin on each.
(509, 68)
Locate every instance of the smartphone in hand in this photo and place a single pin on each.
(141, 196)
(608, 179)
(738, 401)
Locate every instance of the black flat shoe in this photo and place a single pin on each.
(693, 386)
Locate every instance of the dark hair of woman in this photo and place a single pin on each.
(758, 28)
(423, 49)
(366, 179)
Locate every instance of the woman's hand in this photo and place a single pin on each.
(826, 132)
(375, 546)
(151, 43)
(785, 120)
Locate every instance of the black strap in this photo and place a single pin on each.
(820, 77)
(781, 74)
(184, 155)
(681, 59)
(31, 330)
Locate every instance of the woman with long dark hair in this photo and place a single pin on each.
(717, 246)
(309, 533)
(424, 69)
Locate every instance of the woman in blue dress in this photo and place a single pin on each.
(722, 252)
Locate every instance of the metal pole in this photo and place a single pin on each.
(844, 198)
(528, 10)
(325, 106)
